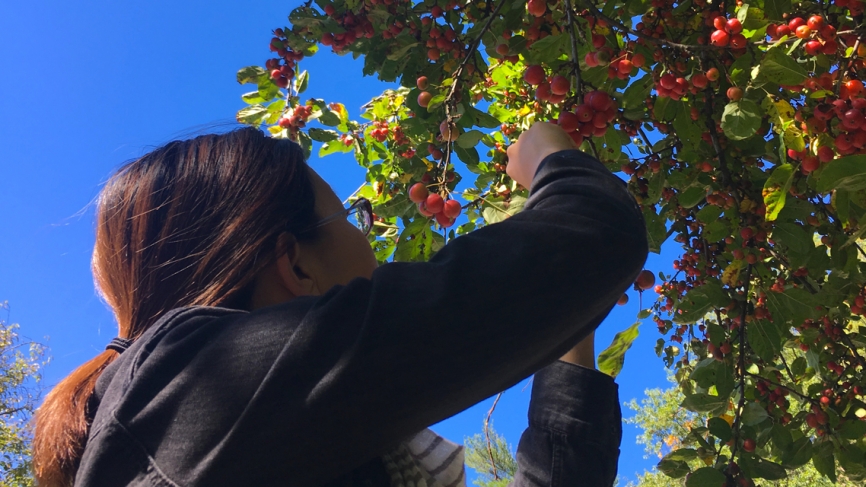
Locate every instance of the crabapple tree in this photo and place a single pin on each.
(740, 128)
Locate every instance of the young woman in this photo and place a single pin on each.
(260, 343)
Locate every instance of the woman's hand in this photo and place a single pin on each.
(525, 155)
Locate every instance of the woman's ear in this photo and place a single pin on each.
(294, 267)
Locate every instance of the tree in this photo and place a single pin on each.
(492, 458)
(21, 363)
(663, 423)
(739, 127)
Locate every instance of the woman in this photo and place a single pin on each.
(260, 343)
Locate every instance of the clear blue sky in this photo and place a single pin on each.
(86, 86)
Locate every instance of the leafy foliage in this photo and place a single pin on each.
(20, 371)
(478, 457)
(741, 137)
(666, 428)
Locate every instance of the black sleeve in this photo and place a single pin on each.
(313, 388)
(574, 432)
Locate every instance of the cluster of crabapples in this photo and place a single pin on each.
(297, 119)
(441, 39)
(433, 205)
(728, 33)
(821, 35)
(590, 118)
(282, 69)
(844, 118)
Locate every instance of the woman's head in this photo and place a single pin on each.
(219, 220)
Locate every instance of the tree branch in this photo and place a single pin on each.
(487, 436)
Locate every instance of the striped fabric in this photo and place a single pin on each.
(426, 460)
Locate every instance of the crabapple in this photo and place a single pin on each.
(735, 93)
(418, 193)
(645, 280)
(451, 209)
(434, 203)
(424, 98)
(422, 83)
(560, 85)
(534, 75)
(537, 7)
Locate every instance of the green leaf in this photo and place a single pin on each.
(692, 196)
(781, 68)
(548, 49)
(301, 82)
(482, 119)
(847, 172)
(401, 53)
(741, 119)
(611, 360)
(794, 306)
(710, 372)
(798, 453)
(673, 468)
(250, 74)
(665, 109)
(740, 69)
(252, 115)
(322, 135)
(252, 98)
(706, 477)
(415, 243)
(776, 9)
(853, 461)
(655, 228)
(636, 94)
(795, 237)
(759, 468)
(776, 190)
(686, 129)
(701, 402)
(853, 430)
(719, 428)
(329, 118)
(764, 338)
(333, 147)
(825, 463)
(698, 301)
(469, 139)
(753, 413)
(682, 454)
(435, 102)
(468, 155)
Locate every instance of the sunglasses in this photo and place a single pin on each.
(360, 214)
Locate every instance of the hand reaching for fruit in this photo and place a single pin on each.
(525, 155)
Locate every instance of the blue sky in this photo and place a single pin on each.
(86, 86)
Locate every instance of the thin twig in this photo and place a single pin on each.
(741, 365)
(848, 66)
(575, 63)
(487, 436)
(853, 348)
(802, 396)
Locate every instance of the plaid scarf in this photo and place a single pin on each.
(426, 460)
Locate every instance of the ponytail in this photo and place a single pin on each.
(57, 446)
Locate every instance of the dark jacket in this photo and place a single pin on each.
(311, 392)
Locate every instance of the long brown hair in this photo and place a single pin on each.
(187, 224)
